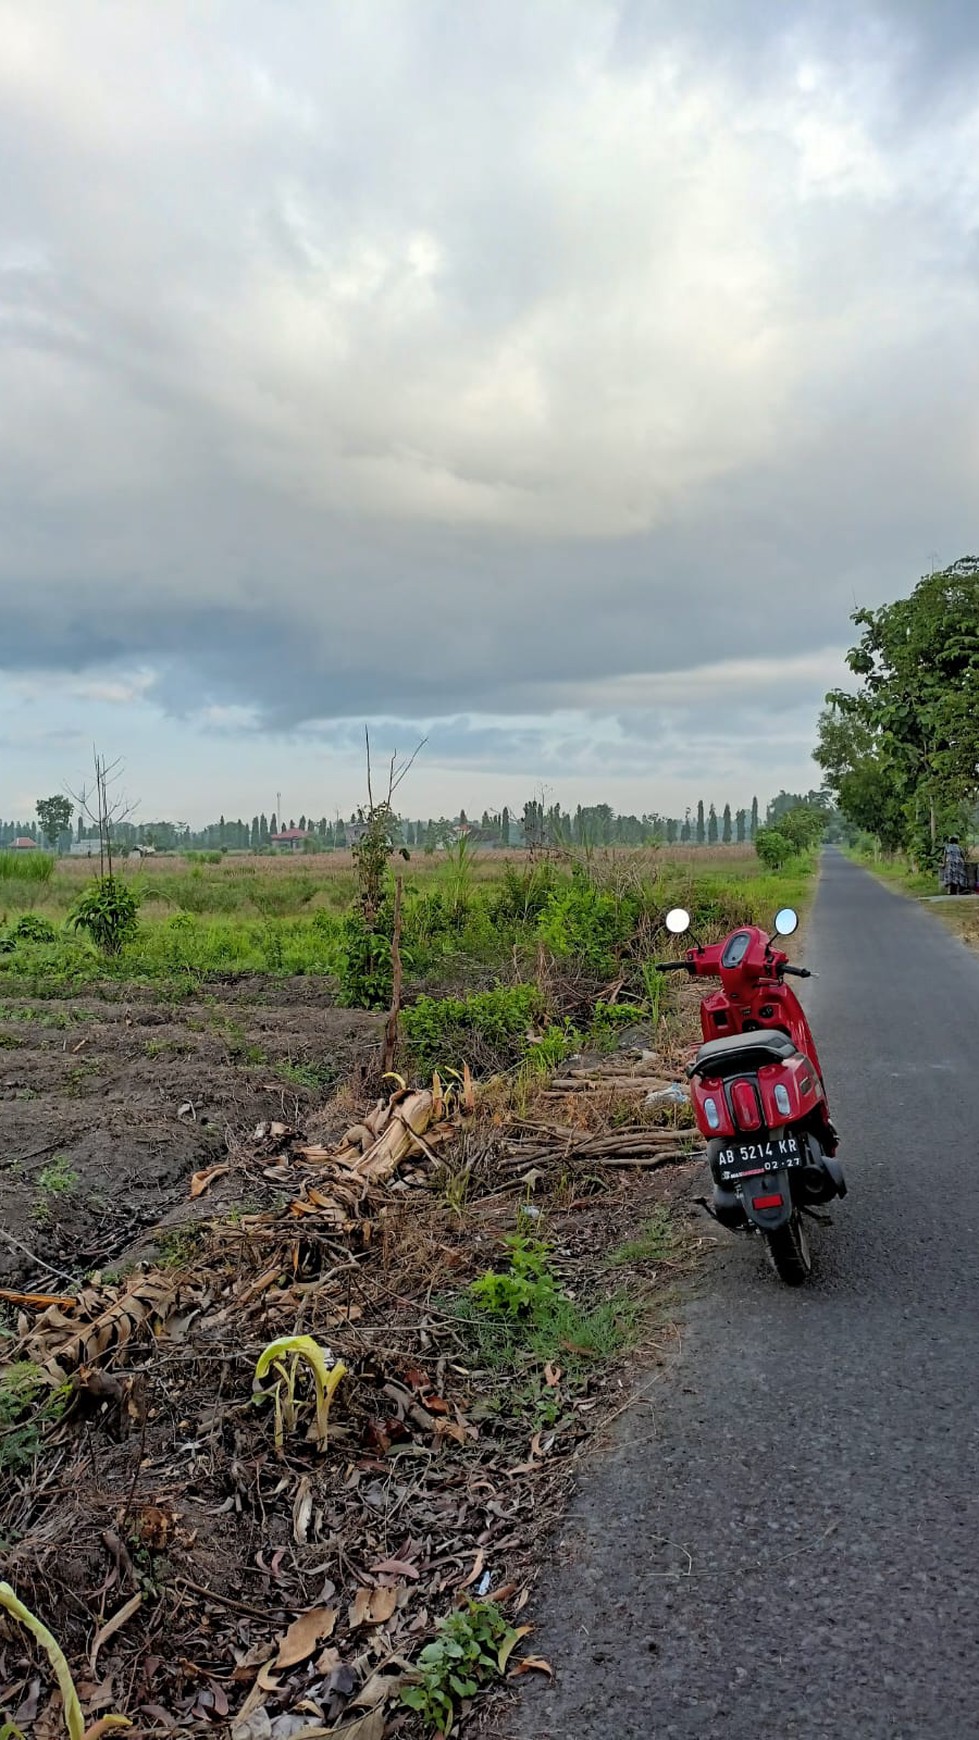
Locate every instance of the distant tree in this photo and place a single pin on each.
(712, 827)
(273, 825)
(754, 818)
(685, 829)
(671, 831)
(701, 832)
(263, 830)
(505, 826)
(741, 825)
(54, 815)
(533, 823)
(726, 827)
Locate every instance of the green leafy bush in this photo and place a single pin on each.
(108, 912)
(586, 922)
(34, 929)
(489, 1030)
(471, 1648)
(774, 848)
(365, 970)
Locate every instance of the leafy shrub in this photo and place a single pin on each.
(472, 1646)
(774, 848)
(108, 912)
(489, 1030)
(33, 928)
(365, 970)
(583, 921)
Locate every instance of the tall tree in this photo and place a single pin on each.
(700, 823)
(726, 827)
(754, 818)
(712, 827)
(54, 815)
(915, 717)
(505, 826)
(741, 825)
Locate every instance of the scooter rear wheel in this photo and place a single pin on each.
(789, 1253)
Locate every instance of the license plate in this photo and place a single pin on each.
(747, 1159)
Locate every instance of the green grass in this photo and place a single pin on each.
(655, 1243)
(897, 872)
(26, 867)
(460, 924)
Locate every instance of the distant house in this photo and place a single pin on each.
(24, 844)
(83, 849)
(291, 839)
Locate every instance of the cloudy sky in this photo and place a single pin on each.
(548, 379)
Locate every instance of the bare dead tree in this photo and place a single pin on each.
(104, 808)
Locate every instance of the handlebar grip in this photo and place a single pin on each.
(672, 966)
(797, 972)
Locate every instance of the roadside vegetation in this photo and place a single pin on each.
(322, 1413)
(900, 752)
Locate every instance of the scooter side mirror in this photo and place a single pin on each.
(786, 921)
(678, 921)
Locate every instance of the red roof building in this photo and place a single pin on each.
(292, 838)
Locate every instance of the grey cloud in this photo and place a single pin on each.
(432, 362)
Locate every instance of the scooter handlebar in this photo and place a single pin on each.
(797, 972)
(673, 966)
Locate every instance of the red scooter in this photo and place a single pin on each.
(758, 1092)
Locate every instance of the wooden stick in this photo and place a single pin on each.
(391, 1030)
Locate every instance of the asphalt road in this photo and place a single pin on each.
(785, 1543)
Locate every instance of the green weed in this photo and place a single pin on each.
(58, 1178)
(26, 1406)
(523, 1315)
(471, 1648)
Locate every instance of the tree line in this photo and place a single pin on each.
(536, 824)
(900, 752)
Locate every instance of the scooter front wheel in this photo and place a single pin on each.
(789, 1253)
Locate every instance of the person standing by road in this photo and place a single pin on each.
(953, 873)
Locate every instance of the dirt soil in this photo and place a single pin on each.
(109, 1103)
(155, 1523)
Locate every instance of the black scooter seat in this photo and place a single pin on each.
(737, 1052)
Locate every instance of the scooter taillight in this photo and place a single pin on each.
(747, 1111)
